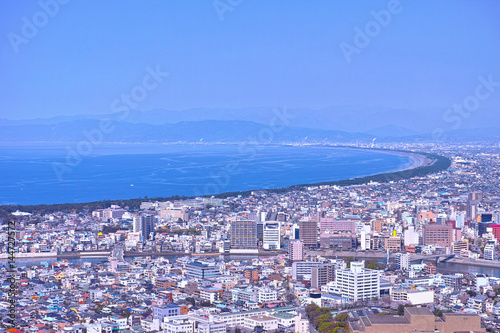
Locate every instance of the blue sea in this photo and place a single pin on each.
(61, 174)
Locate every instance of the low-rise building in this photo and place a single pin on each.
(414, 296)
(417, 320)
(267, 323)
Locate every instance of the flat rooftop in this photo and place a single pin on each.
(419, 311)
(460, 315)
(261, 318)
(388, 319)
(283, 315)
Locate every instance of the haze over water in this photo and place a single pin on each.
(133, 171)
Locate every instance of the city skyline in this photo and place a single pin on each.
(234, 166)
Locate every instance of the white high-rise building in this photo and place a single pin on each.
(357, 282)
(137, 223)
(411, 237)
(272, 235)
(489, 251)
(403, 260)
(365, 240)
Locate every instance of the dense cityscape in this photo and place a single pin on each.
(405, 255)
(232, 166)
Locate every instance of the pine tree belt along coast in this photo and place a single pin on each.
(423, 164)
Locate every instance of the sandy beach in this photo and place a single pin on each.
(417, 159)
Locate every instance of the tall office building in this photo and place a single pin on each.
(295, 250)
(453, 282)
(476, 196)
(459, 220)
(472, 202)
(495, 229)
(482, 228)
(411, 237)
(403, 261)
(325, 223)
(357, 282)
(136, 223)
(271, 236)
(440, 235)
(365, 238)
(260, 230)
(329, 224)
(489, 251)
(244, 235)
(309, 233)
(295, 232)
(321, 275)
(302, 269)
(144, 225)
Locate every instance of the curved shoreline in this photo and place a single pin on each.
(430, 163)
(423, 164)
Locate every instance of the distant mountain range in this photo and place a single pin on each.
(186, 131)
(339, 124)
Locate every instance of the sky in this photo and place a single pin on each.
(69, 57)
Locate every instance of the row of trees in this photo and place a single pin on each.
(323, 320)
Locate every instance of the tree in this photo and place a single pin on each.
(325, 327)
(341, 317)
(471, 293)
(401, 310)
(371, 264)
(349, 260)
(310, 308)
(319, 320)
(126, 313)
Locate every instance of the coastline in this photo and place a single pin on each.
(424, 164)
(421, 164)
(417, 160)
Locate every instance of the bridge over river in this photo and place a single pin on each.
(414, 258)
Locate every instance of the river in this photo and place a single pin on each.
(444, 267)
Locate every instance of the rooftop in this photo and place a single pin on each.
(414, 311)
(261, 318)
(388, 319)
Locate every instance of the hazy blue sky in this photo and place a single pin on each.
(261, 53)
